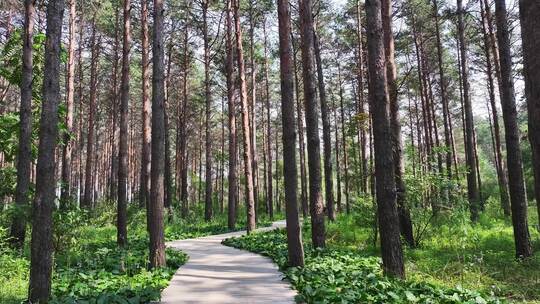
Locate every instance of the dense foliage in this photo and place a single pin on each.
(89, 267)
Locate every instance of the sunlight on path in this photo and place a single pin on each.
(216, 273)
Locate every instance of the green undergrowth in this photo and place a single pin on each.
(338, 275)
(454, 252)
(88, 266)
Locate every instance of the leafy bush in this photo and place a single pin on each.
(344, 276)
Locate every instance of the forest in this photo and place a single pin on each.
(260, 151)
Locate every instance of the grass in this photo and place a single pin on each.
(89, 268)
(454, 256)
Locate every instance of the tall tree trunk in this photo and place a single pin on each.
(529, 12)
(300, 122)
(113, 194)
(70, 83)
(316, 205)
(155, 206)
(444, 95)
(391, 250)
(501, 174)
(515, 166)
(405, 222)
(361, 99)
(90, 142)
(39, 289)
(270, 198)
(327, 140)
(231, 109)
(208, 96)
(344, 142)
(253, 105)
(121, 220)
(24, 154)
(144, 189)
(250, 199)
(183, 124)
(338, 166)
(294, 233)
(472, 186)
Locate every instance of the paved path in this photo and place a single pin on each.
(216, 273)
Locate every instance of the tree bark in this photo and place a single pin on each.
(361, 99)
(501, 174)
(229, 65)
(144, 187)
(405, 222)
(312, 124)
(529, 12)
(121, 219)
(70, 83)
(157, 191)
(344, 142)
(294, 233)
(24, 154)
(444, 95)
(472, 186)
(208, 97)
(250, 199)
(300, 122)
(516, 185)
(87, 201)
(113, 194)
(270, 197)
(327, 140)
(39, 289)
(391, 250)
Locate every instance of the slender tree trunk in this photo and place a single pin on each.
(472, 186)
(123, 148)
(405, 222)
(391, 250)
(250, 199)
(361, 99)
(70, 83)
(41, 248)
(114, 99)
(338, 166)
(208, 96)
(144, 189)
(253, 106)
(300, 122)
(294, 233)
(155, 206)
(344, 142)
(444, 95)
(183, 124)
(316, 205)
(24, 154)
(232, 197)
(518, 199)
(529, 12)
(327, 140)
(501, 174)
(270, 198)
(90, 142)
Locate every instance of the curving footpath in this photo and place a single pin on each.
(216, 273)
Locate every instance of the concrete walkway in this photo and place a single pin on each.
(216, 273)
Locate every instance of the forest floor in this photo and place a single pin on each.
(215, 273)
(89, 268)
(455, 261)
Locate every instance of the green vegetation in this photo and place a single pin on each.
(89, 267)
(455, 262)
